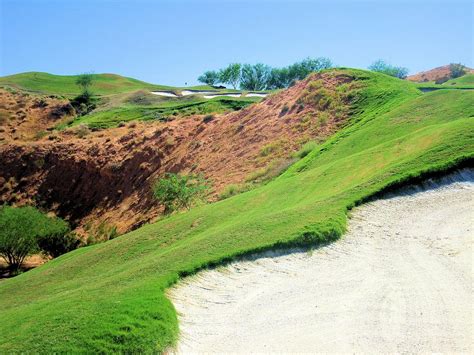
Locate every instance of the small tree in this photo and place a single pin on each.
(179, 191)
(20, 229)
(279, 78)
(457, 70)
(382, 67)
(84, 102)
(84, 81)
(231, 74)
(210, 77)
(255, 77)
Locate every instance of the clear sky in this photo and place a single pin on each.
(172, 42)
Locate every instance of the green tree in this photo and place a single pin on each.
(382, 67)
(231, 75)
(456, 70)
(176, 191)
(255, 77)
(20, 229)
(279, 78)
(84, 81)
(84, 102)
(210, 77)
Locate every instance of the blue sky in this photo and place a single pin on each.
(172, 42)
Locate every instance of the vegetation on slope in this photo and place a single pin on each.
(163, 110)
(465, 80)
(104, 84)
(110, 297)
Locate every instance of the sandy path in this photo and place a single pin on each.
(399, 281)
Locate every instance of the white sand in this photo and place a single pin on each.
(164, 93)
(221, 95)
(399, 281)
(195, 92)
(205, 94)
(256, 95)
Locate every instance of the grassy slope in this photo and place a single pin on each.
(111, 296)
(464, 82)
(111, 117)
(467, 79)
(104, 84)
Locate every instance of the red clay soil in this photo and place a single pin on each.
(434, 74)
(106, 176)
(27, 117)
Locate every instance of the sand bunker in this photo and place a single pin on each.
(206, 94)
(164, 93)
(399, 281)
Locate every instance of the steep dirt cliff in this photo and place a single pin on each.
(105, 176)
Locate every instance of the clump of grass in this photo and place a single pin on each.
(270, 148)
(307, 148)
(271, 171)
(234, 189)
(100, 233)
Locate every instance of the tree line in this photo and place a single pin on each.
(256, 77)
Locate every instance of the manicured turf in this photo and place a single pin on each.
(163, 111)
(110, 297)
(103, 84)
(463, 82)
(467, 79)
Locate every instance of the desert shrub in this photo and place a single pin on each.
(61, 110)
(307, 148)
(84, 103)
(22, 228)
(323, 118)
(40, 103)
(270, 148)
(176, 191)
(456, 70)
(100, 233)
(82, 130)
(58, 241)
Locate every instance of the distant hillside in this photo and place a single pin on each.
(104, 84)
(435, 74)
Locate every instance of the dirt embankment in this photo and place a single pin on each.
(399, 281)
(438, 73)
(106, 175)
(27, 117)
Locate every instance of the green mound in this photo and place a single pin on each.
(103, 84)
(465, 80)
(111, 297)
